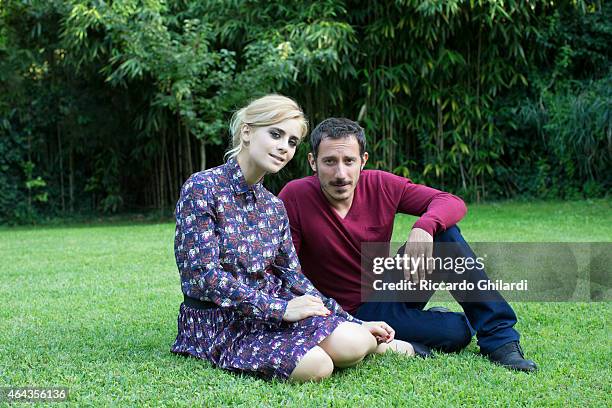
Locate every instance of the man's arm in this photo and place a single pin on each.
(437, 209)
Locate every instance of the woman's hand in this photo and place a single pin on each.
(305, 306)
(381, 331)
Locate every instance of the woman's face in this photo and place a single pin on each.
(271, 147)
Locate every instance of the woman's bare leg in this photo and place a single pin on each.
(348, 344)
(314, 366)
(345, 347)
(398, 346)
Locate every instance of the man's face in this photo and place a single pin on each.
(338, 167)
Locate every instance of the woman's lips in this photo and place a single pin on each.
(277, 158)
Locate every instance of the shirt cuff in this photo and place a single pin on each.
(354, 319)
(425, 225)
(276, 310)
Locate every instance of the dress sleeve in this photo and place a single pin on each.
(294, 217)
(287, 267)
(201, 273)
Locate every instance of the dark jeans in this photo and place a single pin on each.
(492, 320)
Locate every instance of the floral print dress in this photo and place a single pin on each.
(233, 248)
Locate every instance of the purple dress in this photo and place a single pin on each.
(233, 248)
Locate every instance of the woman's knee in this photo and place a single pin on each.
(349, 344)
(316, 365)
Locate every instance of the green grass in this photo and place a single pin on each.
(93, 308)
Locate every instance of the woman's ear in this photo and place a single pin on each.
(245, 134)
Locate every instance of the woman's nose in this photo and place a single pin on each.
(283, 145)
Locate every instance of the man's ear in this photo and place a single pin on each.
(312, 162)
(364, 159)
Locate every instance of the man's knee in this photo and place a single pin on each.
(451, 234)
(457, 338)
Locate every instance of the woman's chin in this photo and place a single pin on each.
(275, 168)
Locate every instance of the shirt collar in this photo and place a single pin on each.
(237, 180)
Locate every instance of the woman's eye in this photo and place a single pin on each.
(275, 135)
(293, 143)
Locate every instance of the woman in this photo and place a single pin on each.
(247, 307)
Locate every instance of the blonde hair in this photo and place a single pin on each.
(265, 111)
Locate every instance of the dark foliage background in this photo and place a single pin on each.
(108, 106)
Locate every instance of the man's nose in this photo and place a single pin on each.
(341, 171)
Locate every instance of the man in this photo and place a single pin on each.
(333, 212)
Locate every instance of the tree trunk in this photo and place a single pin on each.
(202, 155)
(190, 167)
(155, 189)
(162, 179)
(168, 173)
(175, 165)
(463, 183)
(30, 175)
(71, 179)
(61, 167)
(181, 161)
(440, 139)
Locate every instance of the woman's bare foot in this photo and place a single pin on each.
(396, 346)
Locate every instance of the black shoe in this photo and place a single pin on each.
(438, 309)
(422, 350)
(511, 356)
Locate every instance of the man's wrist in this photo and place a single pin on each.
(425, 226)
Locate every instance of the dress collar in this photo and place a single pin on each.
(237, 180)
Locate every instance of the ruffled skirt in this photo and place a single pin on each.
(267, 350)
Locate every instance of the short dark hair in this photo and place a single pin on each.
(336, 128)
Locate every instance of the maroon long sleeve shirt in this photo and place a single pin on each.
(329, 247)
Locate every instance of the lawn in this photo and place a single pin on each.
(93, 308)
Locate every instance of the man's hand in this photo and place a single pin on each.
(305, 306)
(381, 331)
(419, 247)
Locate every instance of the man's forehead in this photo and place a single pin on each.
(345, 145)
